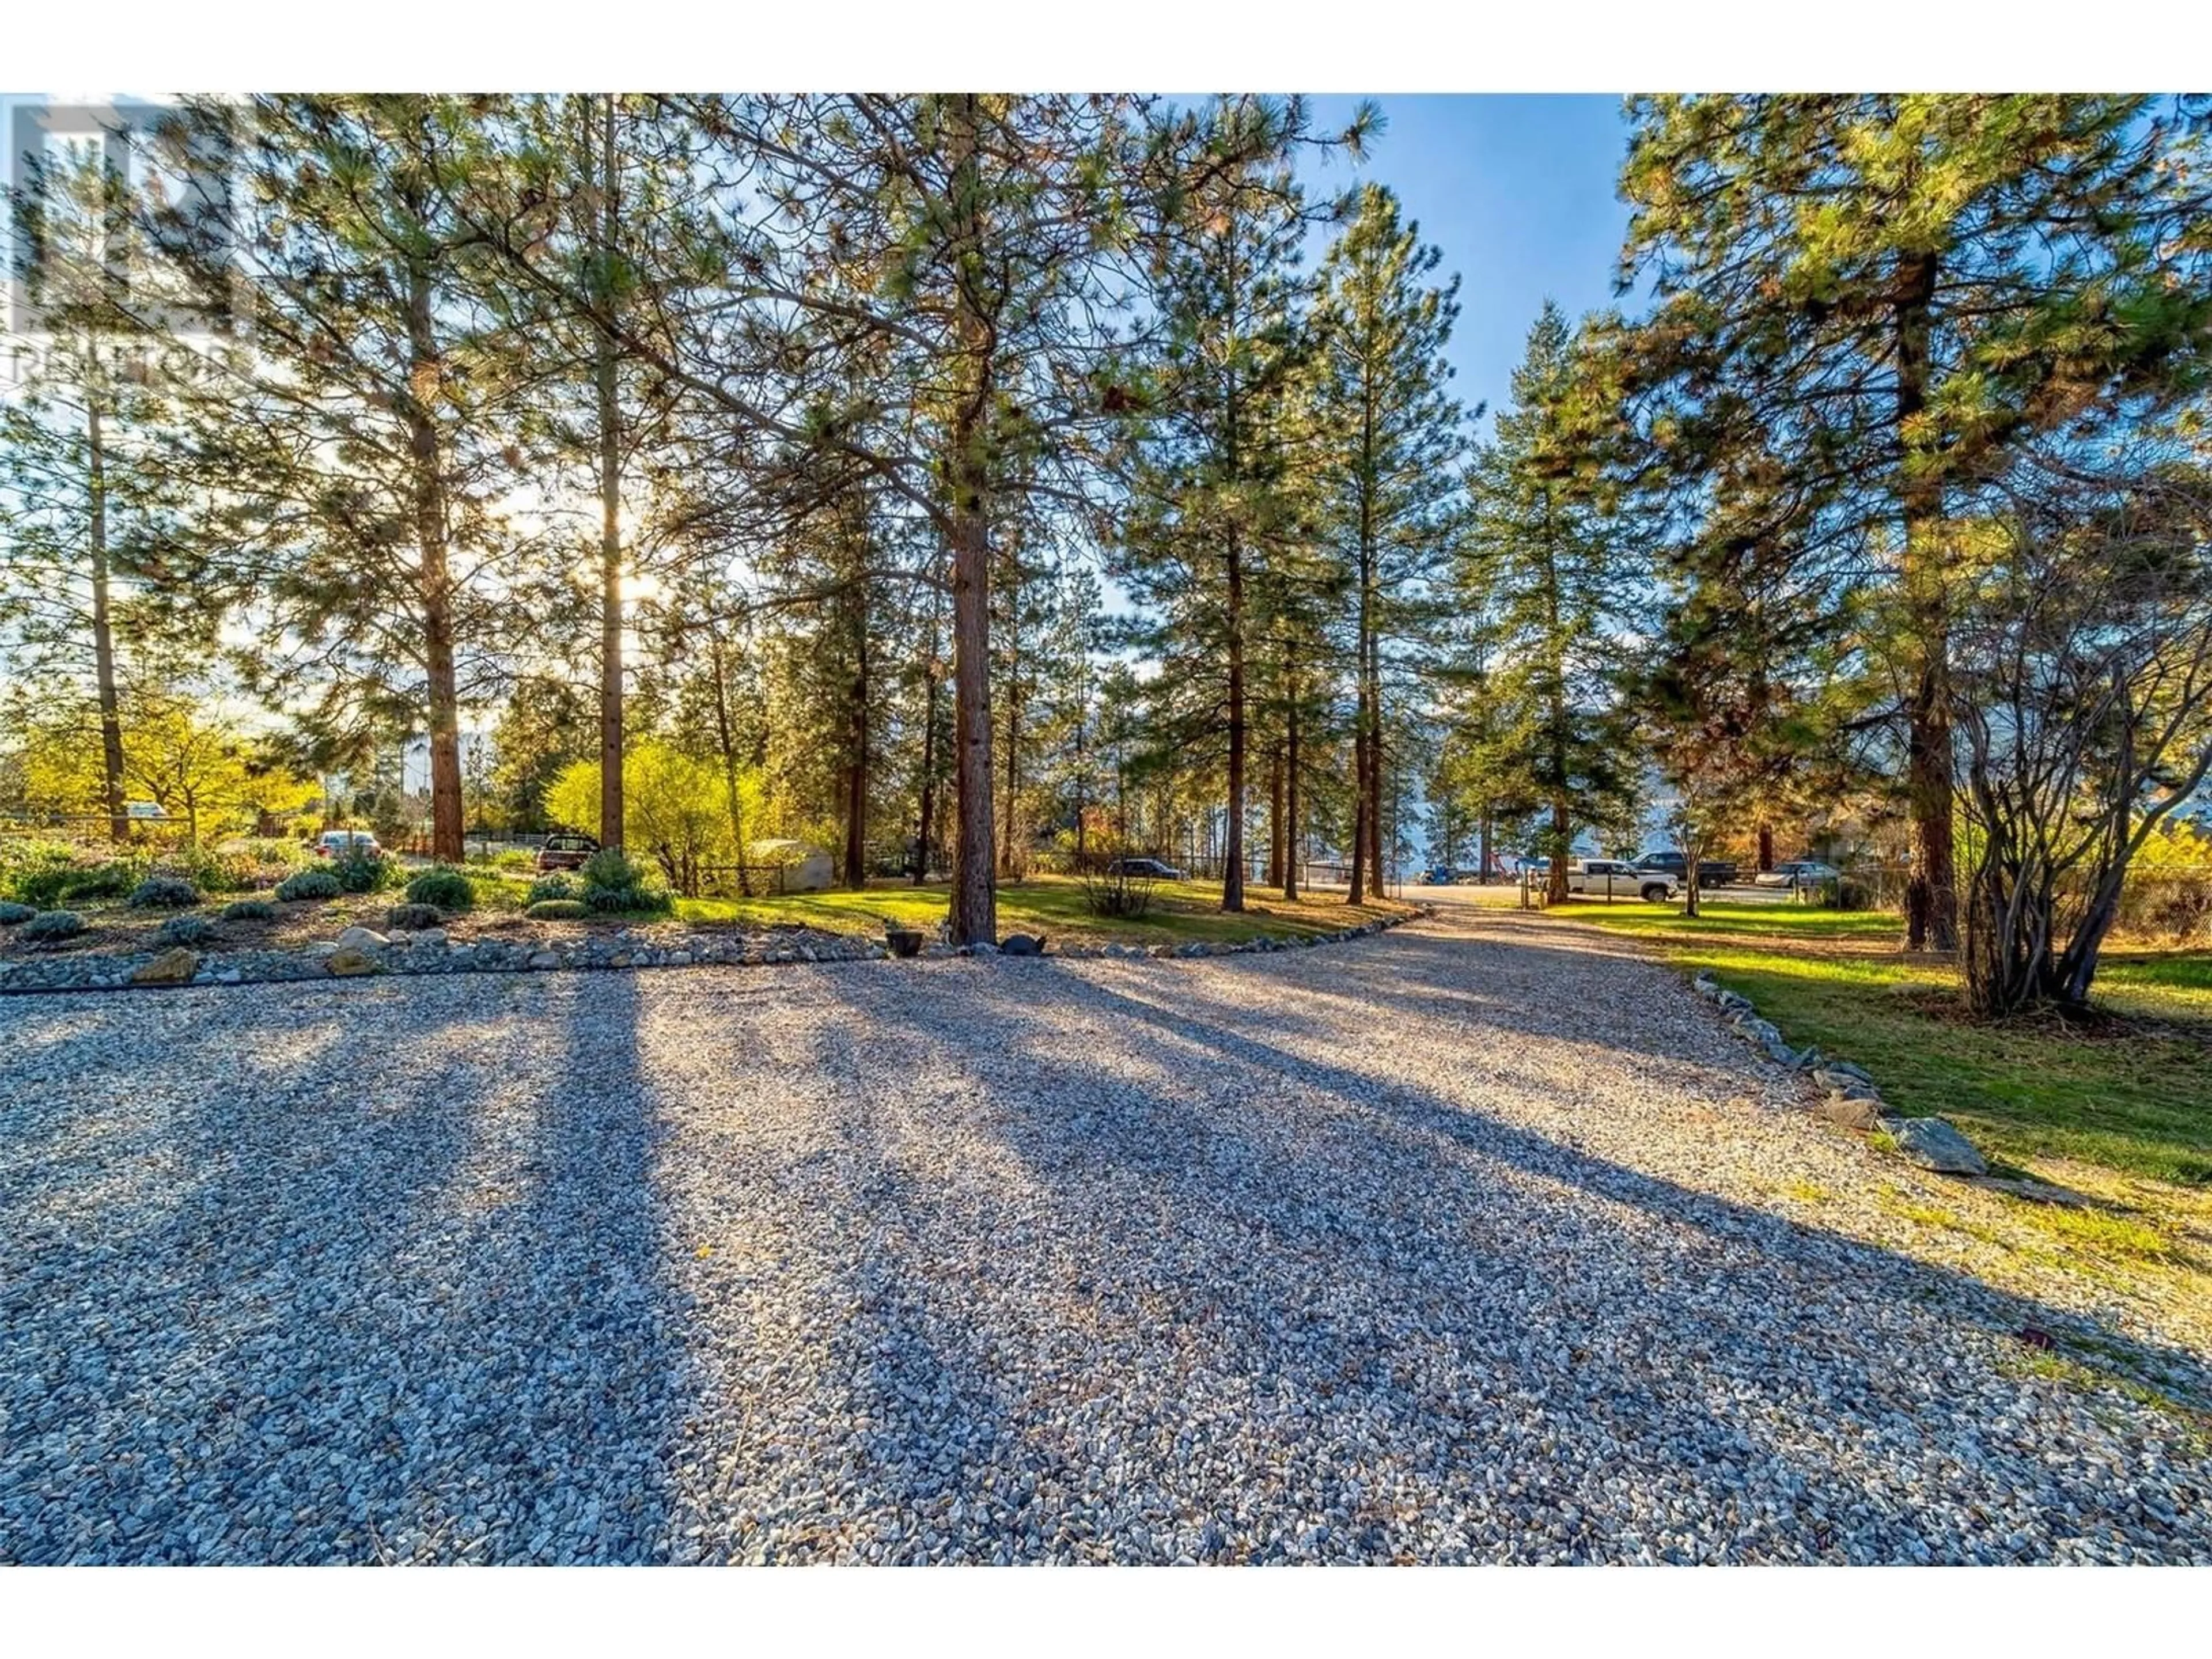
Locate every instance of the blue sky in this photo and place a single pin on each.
(1518, 191)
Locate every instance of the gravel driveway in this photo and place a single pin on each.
(1466, 1242)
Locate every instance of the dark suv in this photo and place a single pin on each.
(1149, 869)
(1712, 872)
(566, 851)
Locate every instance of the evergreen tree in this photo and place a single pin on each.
(366, 433)
(90, 543)
(1391, 449)
(1216, 501)
(1866, 304)
(1545, 559)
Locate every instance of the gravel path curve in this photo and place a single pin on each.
(1460, 1243)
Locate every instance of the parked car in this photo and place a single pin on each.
(1150, 869)
(566, 850)
(1617, 878)
(1670, 862)
(1442, 875)
(1604, 878)
(341, 843)
(1797, 872)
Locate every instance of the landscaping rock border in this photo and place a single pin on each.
(362, 952)
(1851, 1100)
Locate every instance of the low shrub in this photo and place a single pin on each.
(513, 858)
(1847, 892)
(647, 900)
(49, 925)
(1108, 892)
(33, 868)
(2169, 906)
(13, 915)
(615, 881)
(413, 918)
(612, 867)
(249, 909)
(316, 884)
(558, 885)
(184, 930)
(444, 886)
(164, 893)
(235, 866)
(41, 888)
(114, 878)
(363, 873)
(558, 909)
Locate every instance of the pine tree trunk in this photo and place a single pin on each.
(928, 774)
(1766, 848)
(974, 911)
(1355, 889)
(1232, 866)
(856, 788)
(1082, 775)
(1291, 793)
(103, 633)
(1374, 676)
(433, 576)
(1483, 878)
(725, 741)
(1275, 815)
(1375, 823)
(1930, 895)
(1555, 889)
(1014, 752)
(611, 596)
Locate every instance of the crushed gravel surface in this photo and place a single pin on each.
(1465, 1242)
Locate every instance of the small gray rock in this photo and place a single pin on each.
(1934, 1145)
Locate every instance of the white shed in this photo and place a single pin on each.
(788, 866)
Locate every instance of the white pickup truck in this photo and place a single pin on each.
(1607, 878)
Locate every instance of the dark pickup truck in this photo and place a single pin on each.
(1712, 872)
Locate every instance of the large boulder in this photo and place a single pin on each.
(175, 966)
(362, 939)
(350, 959)
(1935, 1144)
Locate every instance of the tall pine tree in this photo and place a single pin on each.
(1866, 304)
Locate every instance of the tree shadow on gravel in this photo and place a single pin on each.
(405, 1304)
(1431, 978)
(867, 1423)
(1241, 1033)
(1636, 1283)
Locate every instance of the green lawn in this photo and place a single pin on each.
(1731, 916)
(1052, 905)
(2136, 1102)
